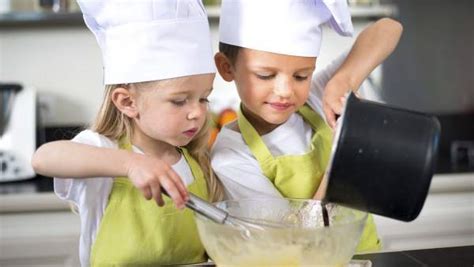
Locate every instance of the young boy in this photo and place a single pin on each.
(280, 144)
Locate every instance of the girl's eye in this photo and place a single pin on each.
(179, 102)
(265, 77)
(300, 78)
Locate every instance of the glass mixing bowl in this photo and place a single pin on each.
(302, 239)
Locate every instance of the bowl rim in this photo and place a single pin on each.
(363, 214)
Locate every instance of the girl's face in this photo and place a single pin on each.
(173, 111)
(271, 86)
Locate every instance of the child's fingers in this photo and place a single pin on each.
(156, 191)
(330, 116)
(172, 191)
(333, 109)
(179, 184)
(343, 101)
(147, 192)
(321, 193)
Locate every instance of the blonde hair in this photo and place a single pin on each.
(112, 123)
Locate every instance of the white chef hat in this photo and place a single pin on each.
(145, 40)
(291, 27)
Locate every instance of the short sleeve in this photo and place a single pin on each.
(75, 189)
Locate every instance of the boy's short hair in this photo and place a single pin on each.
(230, 51)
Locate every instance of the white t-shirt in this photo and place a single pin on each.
(239, 170)
(91, 195)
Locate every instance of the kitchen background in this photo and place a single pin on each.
(45, 45)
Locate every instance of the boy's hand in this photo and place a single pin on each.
(334, 98)
(321, 192)
(152, 175)
(373, 45)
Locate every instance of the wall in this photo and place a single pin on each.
(64, 64)
(432, 69)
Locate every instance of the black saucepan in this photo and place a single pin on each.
(383, 159)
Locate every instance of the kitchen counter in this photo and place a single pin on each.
(37, 194)
(29, 196)
(449, 256)
(447, 218)
(32, 215)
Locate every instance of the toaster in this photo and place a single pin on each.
(18, 122)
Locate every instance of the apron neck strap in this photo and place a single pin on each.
(311, 117)
(124, 143)
(255, 142)
(253, 139)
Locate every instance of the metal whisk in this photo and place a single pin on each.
(220, 216)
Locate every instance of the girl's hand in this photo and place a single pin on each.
(334, 98)
(152, 175)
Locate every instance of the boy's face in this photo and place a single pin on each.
(271, 86)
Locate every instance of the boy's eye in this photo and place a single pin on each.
(300, 77)
(204, 100)
(179, 102)
(265, 77)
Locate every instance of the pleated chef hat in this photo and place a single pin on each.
(291, 27)
(145, 40)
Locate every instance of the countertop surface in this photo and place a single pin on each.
(451, 256)
(29, 196)
(442, 257)
(37, 194)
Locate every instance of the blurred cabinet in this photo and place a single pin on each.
(447, 218)
(39, 237)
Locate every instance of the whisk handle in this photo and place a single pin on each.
(206, 209)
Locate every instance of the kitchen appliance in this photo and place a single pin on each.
(383, 159)
(18, 121)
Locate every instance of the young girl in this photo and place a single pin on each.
(151, 133)
(280, 144)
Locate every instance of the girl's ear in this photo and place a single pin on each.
(125, 101)
(224, 67)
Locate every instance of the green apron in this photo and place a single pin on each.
(135, 231)
(299, 176)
